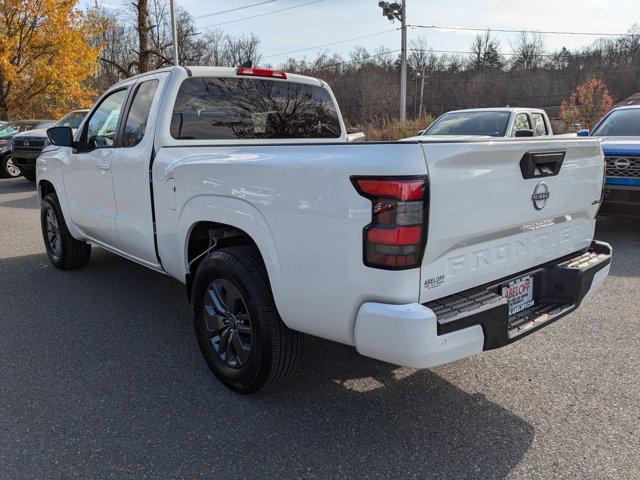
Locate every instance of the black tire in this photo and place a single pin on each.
(274, 349)
(6, 171)
(64, 251)
(30, 176)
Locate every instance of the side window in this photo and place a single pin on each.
(102, 127)
(139, 114)
(539, 126)
(521, 122)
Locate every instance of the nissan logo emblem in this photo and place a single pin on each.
(540, 196)
(26, 144)
(622, 162)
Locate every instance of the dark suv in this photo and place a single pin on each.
(7, 132)
(29, 145)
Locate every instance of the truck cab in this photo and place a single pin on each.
(619, 134)
(504, 122)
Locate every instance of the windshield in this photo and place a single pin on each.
(492, 124)
(10, 129)
(620, 123)
(73, 120)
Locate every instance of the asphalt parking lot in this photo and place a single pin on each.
(100, 377)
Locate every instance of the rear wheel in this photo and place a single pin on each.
(64, 251)
(239, 331)
(8, 169)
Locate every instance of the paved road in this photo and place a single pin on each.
(100, 377)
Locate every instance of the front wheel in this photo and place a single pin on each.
(8, 168)
(239, 331)
(64, 251)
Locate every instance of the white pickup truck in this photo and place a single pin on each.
(241, 185)
(502, 122)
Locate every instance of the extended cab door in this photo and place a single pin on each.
(87, 176)
(131, 170)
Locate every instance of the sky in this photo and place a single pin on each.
(329, 21)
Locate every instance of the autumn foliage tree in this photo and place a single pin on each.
(46, 58)
(589, 102)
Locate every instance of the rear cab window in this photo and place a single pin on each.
(213, 108)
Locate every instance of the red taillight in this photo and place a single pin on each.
(399, 189)
(396, 237)
(261, 72)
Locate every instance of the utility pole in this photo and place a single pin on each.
(174, 30)
(398, 11)
(403, 63)
(422, 92)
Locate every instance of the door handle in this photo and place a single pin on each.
(104, 167)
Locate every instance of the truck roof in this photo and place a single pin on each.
(499, 109)
(227, 72)
(626, 107)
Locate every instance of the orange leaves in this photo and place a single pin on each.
(589, 102)
(45, 58)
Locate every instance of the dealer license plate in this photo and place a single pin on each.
(519, 294)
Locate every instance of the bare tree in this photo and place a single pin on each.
(140, 39)
(144, 35)
(486, 52)
(528, 51)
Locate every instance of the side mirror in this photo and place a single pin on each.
(583, 133)
(60, 136)
(355, 137)
(525, 132)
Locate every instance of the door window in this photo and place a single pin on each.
(139, 114)
(102, 127)
(521, 122)
(539, 125)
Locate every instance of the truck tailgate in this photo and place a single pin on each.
(487, 221)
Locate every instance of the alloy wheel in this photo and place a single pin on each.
(228, 323)
(12, 170)
(53, 234)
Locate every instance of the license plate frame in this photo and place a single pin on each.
(519, 294)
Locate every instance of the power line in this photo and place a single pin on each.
(469, 52)
(513, 30)
(361, 59)
(330, 44)
(261, 14)
(234, 9)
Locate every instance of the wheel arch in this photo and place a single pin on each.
(49, 185)
(45, 187)
(206, 236)
(235, 222)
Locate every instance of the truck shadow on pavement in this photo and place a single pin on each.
(102, 376)
(624, 234)
(9, 187)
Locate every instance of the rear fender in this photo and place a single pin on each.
(235, 213)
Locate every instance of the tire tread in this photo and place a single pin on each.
(75, 254)
(284, 344)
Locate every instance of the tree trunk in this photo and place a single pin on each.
(144, 29)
